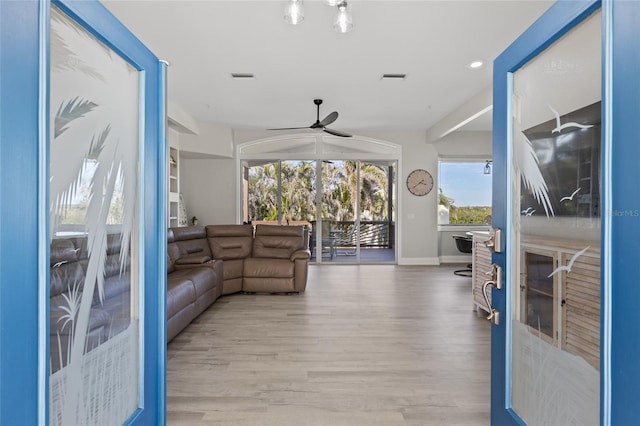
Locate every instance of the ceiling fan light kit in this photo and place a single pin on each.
(294, 12)
(343, 22)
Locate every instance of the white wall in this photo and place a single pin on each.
(467, 145)
(209, 189)
(214, 140)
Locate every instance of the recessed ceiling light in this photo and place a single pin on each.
(394, 76)
(475, 64)
(243, 75)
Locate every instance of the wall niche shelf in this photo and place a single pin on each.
(174, 186)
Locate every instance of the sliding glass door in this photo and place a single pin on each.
(349, 205)
(376, 230)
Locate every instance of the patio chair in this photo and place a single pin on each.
(343, 238)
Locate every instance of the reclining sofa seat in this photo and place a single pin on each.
(194, 280)
(274, 259)
(279, 262)
(232, 244)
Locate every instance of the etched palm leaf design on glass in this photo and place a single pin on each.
(94, 143)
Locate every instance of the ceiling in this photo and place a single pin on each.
(430, 41)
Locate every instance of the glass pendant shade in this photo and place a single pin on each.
(487, 168)
(343, 22)
(293, 12)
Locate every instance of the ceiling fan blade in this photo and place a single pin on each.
(291, 128)
(328, 119)
(337, 133)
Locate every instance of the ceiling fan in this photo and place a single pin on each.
(321, 124)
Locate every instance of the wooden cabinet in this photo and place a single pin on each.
(561, 303)
(581, 307)
(481, 264)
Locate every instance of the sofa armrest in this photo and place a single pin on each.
(300, 254)
(193, 260)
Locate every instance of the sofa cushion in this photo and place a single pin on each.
(114, 243)
(269, 285)
(180, 294)
(114, 286)
(61, 323)
(278, 242)
(191, 240)
(62, 251)
(203, 279)
(186, 233)
(268, 268)
(193, 259)
(65, 277)
(230, 241)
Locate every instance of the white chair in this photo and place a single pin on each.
(343, 238)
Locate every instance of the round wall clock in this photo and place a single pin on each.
(419, 182)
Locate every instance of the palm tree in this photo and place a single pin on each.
(339, 183)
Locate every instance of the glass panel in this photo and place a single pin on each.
(261, 191)
(298, 192)
(280, 192)
(464, 195)
(539, 289)
(339, 207)
(376, 230)
(555, 309)
(94, 320)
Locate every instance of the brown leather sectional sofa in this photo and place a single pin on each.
(203, 263)
(206, 262)
(67, 270)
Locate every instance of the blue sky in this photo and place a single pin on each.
(466, 183)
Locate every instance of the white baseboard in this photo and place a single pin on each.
(455, 259)
(423, 261)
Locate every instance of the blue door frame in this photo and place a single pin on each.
(620, 341)
(24, 207)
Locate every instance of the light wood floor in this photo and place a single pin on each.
(364, 345)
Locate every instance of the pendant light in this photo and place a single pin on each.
(293, 12)
(343, 22)
(487, 167)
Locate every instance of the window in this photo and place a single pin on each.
(464, 193)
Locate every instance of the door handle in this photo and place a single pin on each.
(496, 282)
(494, 315)
(494, 242)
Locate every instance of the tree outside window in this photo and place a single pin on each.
(464, 193)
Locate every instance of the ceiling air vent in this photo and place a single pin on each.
(394, 76)
(243, 76)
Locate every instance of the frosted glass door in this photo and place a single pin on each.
(94, 256)
(555, 232)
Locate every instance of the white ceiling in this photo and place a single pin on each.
(430, 41)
